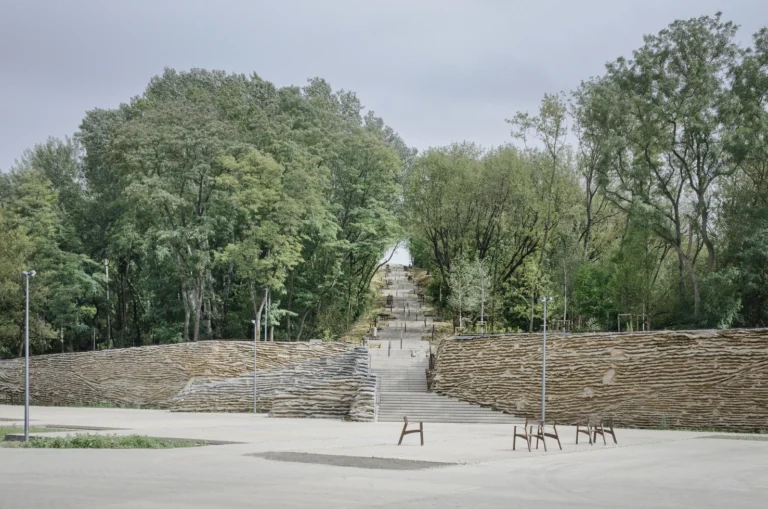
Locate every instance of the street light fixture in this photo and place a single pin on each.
(27, 274)
(544, 300)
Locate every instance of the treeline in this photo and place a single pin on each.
(201, 194)
(640, 198)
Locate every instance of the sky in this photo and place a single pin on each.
(436, 71)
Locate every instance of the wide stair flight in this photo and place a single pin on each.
(402, 370)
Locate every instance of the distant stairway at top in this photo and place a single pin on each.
(402, 371)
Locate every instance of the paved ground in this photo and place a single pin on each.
(649, 469)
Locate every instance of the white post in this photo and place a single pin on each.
(255, 342)
(544, 364)
(27, 274)
(109, 324)
(266, 311)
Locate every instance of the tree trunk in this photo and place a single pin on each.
(588, 225)
(199, 292)
(258, 306)
(681, 274)
(185, 301)
(290, 302)
(530, 324)
(224, 327)
(707, 240)
(301, 325)
(696, 291)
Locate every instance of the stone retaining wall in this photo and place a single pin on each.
(334, 386)
(299, 379)
(683, 379)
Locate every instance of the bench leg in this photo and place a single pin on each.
(403, 433)
(557, 436)
(421, 432)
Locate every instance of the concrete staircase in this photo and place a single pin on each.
(402, 371)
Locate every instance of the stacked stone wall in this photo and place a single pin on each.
(682, 379)
(293, 379)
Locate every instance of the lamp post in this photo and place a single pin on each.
(544, 300)
(255, 341)
(27, 275)
(109, 325)
(266, 312)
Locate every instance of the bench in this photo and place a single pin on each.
(594, 425)
(407, 431)
(541, 434)
(524, 435)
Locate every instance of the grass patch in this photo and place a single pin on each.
(89, 441)
(17, 430)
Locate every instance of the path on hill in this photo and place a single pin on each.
(400, 358)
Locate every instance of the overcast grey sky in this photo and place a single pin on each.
(436, 71)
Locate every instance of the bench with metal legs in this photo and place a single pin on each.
(407, 431)
(604, 427)
(585, 426)
(594, 425)
(541, 434)
(524, 435)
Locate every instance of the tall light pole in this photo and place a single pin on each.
(109, 326)
(544, 300)
(482, 294)
(255, 341)
(27, 275)
(266, 312)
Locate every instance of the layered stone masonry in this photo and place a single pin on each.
(333, 386)
(294, 379)
(678, 379)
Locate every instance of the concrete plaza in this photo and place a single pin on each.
(648, 469)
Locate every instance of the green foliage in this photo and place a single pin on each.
(643, 192)
(657, 209)
(15, 430)
(592, 292)
(202, 193)
(90, 441)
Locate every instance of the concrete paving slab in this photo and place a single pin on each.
(647, 469)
